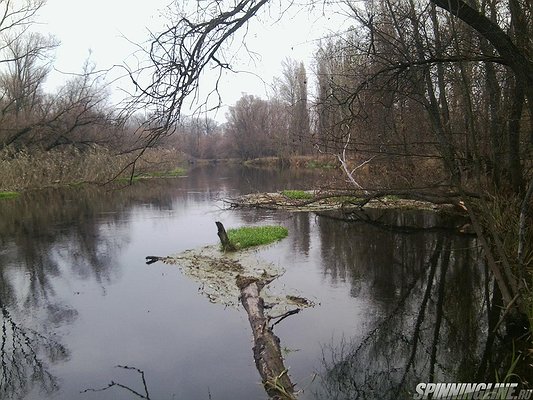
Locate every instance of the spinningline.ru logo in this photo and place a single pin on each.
(482, 391)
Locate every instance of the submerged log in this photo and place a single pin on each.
(224, 239)
(267, 351)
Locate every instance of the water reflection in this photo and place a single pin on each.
(429, 298)
(21, 353)
(76, 298)
(45, 235)
(79, 234)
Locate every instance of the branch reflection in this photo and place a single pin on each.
(435, 329)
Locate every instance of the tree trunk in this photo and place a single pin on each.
(224, 239)
(267, 351)
(512, 54)
(515, 168)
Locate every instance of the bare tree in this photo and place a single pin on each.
(16, 15)
(178, 56)
(292, 88)
(408, 80)
(248, 128)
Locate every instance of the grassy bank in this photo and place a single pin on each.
(8, 195)
(249, 236)
(24, 170)
(174, 173)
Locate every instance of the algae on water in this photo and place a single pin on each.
(216, 273)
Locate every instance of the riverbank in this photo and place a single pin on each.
(316, 161)
(23, 170)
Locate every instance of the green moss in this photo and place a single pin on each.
(249, 236)
(8, 195)
(297, 194)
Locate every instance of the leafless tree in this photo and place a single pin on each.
(193, 41)
(292, 90)
(415, 79)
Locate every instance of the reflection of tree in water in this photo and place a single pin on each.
(252, 179)
(301, 226)
(429, 328)
(41, 235)
(21, 358)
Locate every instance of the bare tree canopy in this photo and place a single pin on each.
(180, 54)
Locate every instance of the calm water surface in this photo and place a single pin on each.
(394, 306)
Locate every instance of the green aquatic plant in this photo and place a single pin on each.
(249, 236)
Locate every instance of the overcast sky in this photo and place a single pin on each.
(100, 27)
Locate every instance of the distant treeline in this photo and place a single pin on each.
(408, 87)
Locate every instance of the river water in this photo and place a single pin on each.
(394, 306)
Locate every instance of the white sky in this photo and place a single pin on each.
(99, 26)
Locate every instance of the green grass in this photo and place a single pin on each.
(8, 195)
(166, 174)
(158, 174)
(297, 194)
(249, 236)
(127, 180)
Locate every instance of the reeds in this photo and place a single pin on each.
(23, 169)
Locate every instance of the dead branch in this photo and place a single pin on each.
(152, 259)
(112, 384)
(179, 55)
(359, 199)
(282, 317)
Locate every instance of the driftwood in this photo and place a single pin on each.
(267, 351)
(153, 259)
(356, 199)
(223, 236)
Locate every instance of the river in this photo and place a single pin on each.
(394, 307)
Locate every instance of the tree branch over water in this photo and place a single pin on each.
(179, 55)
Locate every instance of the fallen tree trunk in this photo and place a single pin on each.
(267, 351)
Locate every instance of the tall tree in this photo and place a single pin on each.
(293, 94)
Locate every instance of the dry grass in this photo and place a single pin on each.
(23, 170)
(315, 161)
